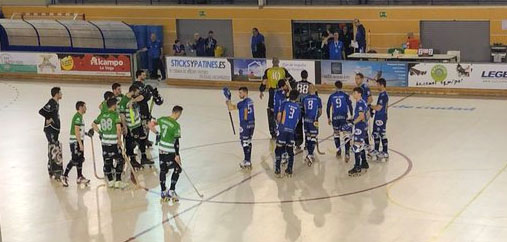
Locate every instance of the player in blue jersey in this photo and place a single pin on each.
(312, 106)
(281, 95)
(360, 124)
(338, 105)
(246, 124)
(287, 118)
(380, 121)
(366, 96)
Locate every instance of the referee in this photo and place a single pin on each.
(270, 81)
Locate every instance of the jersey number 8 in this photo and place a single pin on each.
(106, 124)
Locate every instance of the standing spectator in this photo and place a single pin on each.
(210, 44)
(198, 45)
(155, 51)
(257, 44)
(412, 42)
(325, 38)
(360, 36)
(347, 41)
(179, 48)
(335, 47)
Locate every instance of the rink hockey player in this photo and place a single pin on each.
(76, 141)
(52, 131)
(169, 151)
(148, 93)
(380, 122)
(366, 96)
(360, 124)
(312, 109)
(110, 135)
(302, 87)
(288, 118)
(129, 113)
(103, 105)
(245, 108)
(338, 104)
(270, 81)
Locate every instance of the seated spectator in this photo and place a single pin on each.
(179, 48)
(412, 42)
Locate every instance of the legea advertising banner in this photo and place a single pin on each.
(194, 68)
(458, 75)
(95, 64)
(395, 73)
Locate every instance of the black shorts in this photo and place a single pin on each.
(77, 155)
(137, 133)
(111, 152)
(169, 159)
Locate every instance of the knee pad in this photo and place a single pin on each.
(375, 134)
(383, 135)
(177, 169)
(290, 151)
(246, 142)
(357, 148)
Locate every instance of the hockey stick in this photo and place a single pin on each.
(188, 178)
(232, 123)
(133, 176)
(227, 94)
(93, 158)
(317, 145)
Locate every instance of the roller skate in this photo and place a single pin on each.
(64, 180)
(145, 162)
(288, 173)
(165, 196)
(174, 196)
(297, 149)
(339, 153)
(356, 171)
(82, 180)
(120, 185)
(365, 166)
(384, 156)
(309, 159)
(373, 155)
(245, 165)
(135, 164)
(347, 158)
(278, 174)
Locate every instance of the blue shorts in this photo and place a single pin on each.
(246, 132)
(285, 138)
(338, 124)
(379, 127)
(310, 127)
(360, 134)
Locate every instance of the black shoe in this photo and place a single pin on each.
(365, 165)
(339, 153)
(278, 173)
(288, 173)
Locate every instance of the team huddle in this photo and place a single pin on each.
(294, 109)
(123, 124)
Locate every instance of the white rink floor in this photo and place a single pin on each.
(445, 181)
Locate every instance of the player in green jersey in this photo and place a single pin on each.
(129, 113)
(116, 87)
(169, 150)
(103, 105)
(110, 135)
(77, 133)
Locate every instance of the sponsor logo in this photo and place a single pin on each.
(198, 64)
(67, 63)
(103, 62)
(494, 74)
(439, 73)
